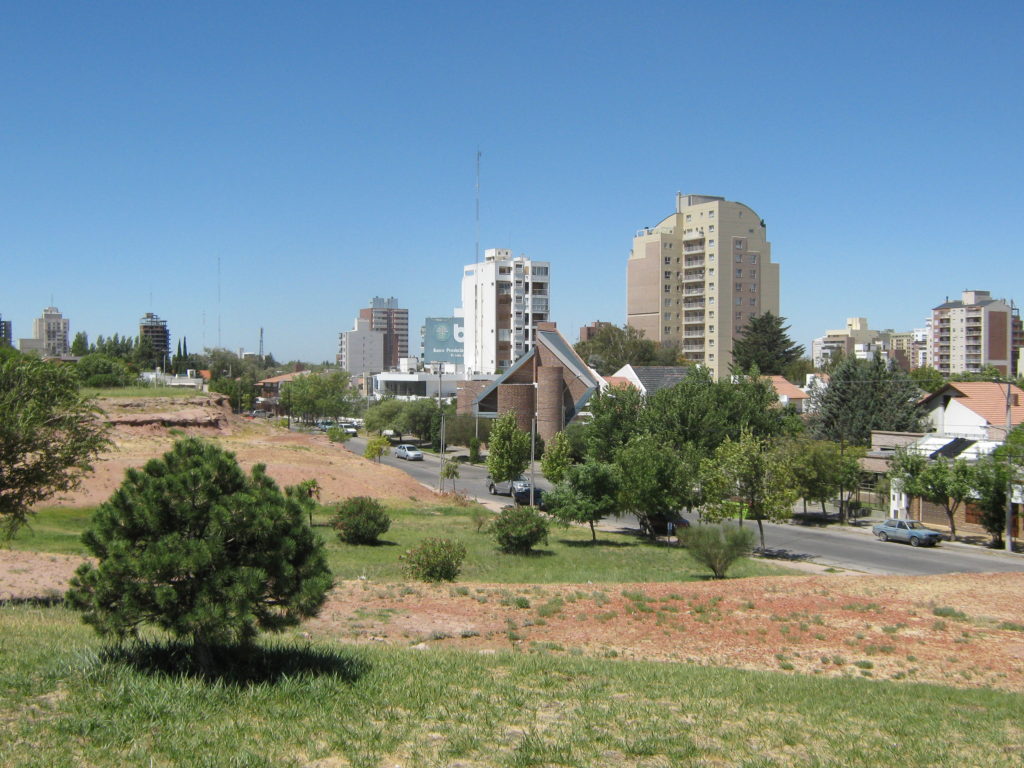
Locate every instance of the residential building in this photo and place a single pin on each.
(6, 336)
(153, 328)
(504, 298)
(386, 316)
(549, 383)
(975, 410)
(910, 348)
(361, 350)
(975, 332)
(790, 394)
(648, 379)
(587, 332)
(51, 335)
(696, 278)
(855, 340)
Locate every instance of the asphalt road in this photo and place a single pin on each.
(849, 547)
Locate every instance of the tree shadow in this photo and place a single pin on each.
(37, 601)
(236, 665)
(782, 554)
(603, 543)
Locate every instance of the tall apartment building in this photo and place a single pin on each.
(153, 328)
(974, 332)
(384, 315)
(697, 277)
(50, 334)
(6, 337)
(361, 350)
(503, 299)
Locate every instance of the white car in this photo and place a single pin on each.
(408, 452)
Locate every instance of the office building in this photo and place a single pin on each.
(696, 278)
(6, 336)
(503, 300)
(385, 316)
(975, 332)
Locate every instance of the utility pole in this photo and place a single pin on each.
(1009, 466)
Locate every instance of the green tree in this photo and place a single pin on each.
(319, 395)
(192, 544)
(613, 347)
(797, 371)
(586, 493)
(508, 453)
(418, 418)
(752, 475)
(449, 471)
(49, 434)
(927, 378)
(861, 396)
(80, 346)
(764, 343)
(100, 370)
(814, 466)
(991, 482)
(615, 419)
(655, 482)
(945, 483)
(376, 447)
(386, 414)
(557, 457)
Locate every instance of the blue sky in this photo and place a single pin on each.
(324, 153)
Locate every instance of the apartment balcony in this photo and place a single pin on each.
(688, 348)
(693, 292)
(695, 248)
(539, 305)
(654, 231)
(695, 235)
(694, 262)
(693, 275)
(693, 317)
(688, 303)
(694, 334)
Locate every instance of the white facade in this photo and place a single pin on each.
(503, 298)
(361, 350)
(50, 334)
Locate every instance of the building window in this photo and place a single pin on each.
(739, 315)
(753, 274)
(711, 300)
(711, 356)
(753, 258)
(711, 272)
(753, 301)
(711, 286)
(668, 259)
(667, 315)
(711, 227)
(739, 273)
(688, 217)
(739, 287)
(668, 275)
(711, 257)
(739, 258)
(739, 301)
(668, 289)
(711, 329)
(711, 342)
(711, 214)
(668, 329)
(711, 313)
(667, 302)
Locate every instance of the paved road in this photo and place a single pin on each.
(849, 547)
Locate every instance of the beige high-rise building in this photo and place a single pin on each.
(696, 278)
(973, 333)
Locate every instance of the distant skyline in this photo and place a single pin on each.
(325, 154)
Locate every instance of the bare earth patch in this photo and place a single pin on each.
(826, 624)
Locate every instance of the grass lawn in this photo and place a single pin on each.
(569, 556)
(171, 392)
(69, 700)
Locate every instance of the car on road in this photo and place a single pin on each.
(408, 452)
(521, 496)
(507, 488)
(910, 531)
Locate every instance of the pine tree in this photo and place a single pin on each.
(764, 343)
(192, 544)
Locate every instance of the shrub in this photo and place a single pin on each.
(519, 529)
(360, 520)
(192, 544)
(474, 450)
(718, 547)
(337, 435)
(434, 560)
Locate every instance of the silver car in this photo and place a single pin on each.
(910, 531)
(408, 452)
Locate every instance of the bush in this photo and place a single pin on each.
(360, 520)
(474, 450)
(519, 529)
(192, 544)
(337, 435)
(717, 546)
(434, 560)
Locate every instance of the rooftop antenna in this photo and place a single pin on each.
(477, 248)
(261, 345)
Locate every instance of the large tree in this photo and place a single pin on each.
(49, 434)
(508, 452)
(656, 482)
(865, 395)
(751, 476)
(764, 344)
(317, 395)
(192, 544)
(612, 347)
(586, 494)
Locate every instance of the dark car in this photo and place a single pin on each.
(910, 531)
(521, 495)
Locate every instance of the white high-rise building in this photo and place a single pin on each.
(361, 350)
(503, 299)
(51, 334)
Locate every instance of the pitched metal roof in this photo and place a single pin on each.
(658, 377)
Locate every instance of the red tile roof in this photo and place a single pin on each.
(784, 387)
(985, 398)
(618, 381)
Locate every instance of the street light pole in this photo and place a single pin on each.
(1008, 544)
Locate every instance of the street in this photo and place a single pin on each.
(849, 547)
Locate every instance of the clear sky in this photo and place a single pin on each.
(324, 153)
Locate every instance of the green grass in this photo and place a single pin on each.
(171, 392)
(68, 701)
(569, 556)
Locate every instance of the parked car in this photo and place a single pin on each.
(508, 488)
(521, 496)
(350, 429)
(408, 452)
(910, 531)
